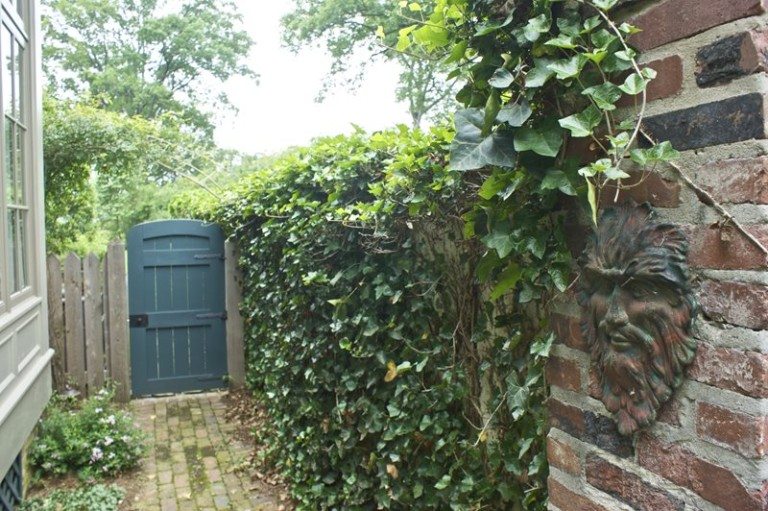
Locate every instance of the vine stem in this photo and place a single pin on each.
(706, 198)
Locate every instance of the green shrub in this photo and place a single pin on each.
(93, 438)
(371, 335)
(96, 497)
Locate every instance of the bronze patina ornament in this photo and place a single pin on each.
(637, 312)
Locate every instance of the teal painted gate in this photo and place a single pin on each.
(177, 307)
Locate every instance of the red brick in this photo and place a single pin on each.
(670, 413)
(724, 248)
(736, 181)
(743, 433)
(641, 188)
(563, 373)
(677, 19)
(731, 57)
(562, 456)
(567, 500)
(566, 417)
(628, 487)
(714, 483)
(739, 303)
(745, 372)
(568, 331)
(594, 383)
(668, 81)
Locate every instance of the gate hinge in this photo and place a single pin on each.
(219, 255)
(213, 315)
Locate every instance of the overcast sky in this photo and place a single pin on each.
(280, 111)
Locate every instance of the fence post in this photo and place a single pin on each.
(56, 322)
(235, 329)
(116, 315)
(73, 314)
(94, 340)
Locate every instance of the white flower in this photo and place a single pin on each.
(108, 441)
(126, 438)
(96, 454)
(99, 410)
(111, 455)
(103, 392)
(111, 420)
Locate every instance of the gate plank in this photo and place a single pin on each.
(56, 322)
(73, 316)
(94, 340)
(235, 329)
(116, 291)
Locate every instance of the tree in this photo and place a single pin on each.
(105, 171)
(143, 57)
(371, 26)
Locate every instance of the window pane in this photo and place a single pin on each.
(18, 85)
(23, 259)
(18, 165)
(6, 43)
(12, 251)
(8, 170)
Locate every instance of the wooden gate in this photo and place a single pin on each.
(177, 307)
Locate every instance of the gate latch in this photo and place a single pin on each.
(138, 320)
(213, 315)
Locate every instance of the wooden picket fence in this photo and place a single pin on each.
(88, 322)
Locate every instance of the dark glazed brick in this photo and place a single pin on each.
(602, 432)
(721, 122)
(720, 61)
(628, 487)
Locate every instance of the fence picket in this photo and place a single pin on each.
(74, 326)
(56, 322)
(117, 320)
(94, 341)
(235, 329)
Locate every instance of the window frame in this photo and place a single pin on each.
(16, 24)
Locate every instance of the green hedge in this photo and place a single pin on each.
(370, 338)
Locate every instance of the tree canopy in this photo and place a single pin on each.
(352, 32)
(147, 57)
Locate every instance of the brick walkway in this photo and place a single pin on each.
(195, 462)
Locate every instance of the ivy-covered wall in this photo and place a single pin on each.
(394, 377)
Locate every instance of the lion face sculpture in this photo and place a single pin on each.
(637, 312)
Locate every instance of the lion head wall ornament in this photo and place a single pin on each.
(637, 312)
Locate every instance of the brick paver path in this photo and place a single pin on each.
(195, 462)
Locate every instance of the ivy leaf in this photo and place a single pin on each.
(605, 96)
(443, 483)
(581, 125)
(541, 140)
(592, 199)
(634, 84)
(540, 74)
(515, 114)
(559, 277)
(568, 68)
(507, 280)
(536, 26)
(500, 241)
(470, 150)
(557, 180)
(562, 41)
(501, 78)
(492, 26)
(604, 5)
(665, 152)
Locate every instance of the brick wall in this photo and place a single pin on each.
(709, 449)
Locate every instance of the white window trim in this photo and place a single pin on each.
(27, 31)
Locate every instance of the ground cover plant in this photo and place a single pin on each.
(92, 439)
(97, 497)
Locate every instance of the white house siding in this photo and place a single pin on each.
(25, 356)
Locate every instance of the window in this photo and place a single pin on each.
(16, 171)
